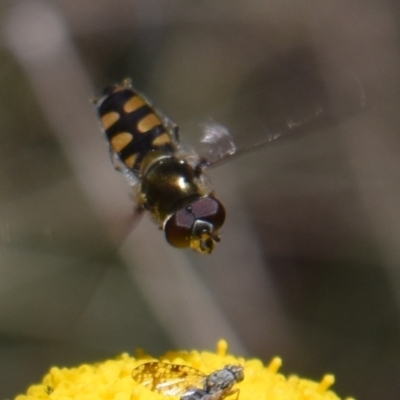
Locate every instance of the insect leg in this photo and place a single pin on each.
(231, 392)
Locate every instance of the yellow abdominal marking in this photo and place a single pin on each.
(130, 161)
(121, 140)
(133, 104)
(162, 139)
(148, 122)
(109, 119)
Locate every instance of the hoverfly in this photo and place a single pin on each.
(169, 180)
(188, 383)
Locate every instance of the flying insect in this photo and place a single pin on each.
(169, 179)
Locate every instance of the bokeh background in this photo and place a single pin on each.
(309, 264)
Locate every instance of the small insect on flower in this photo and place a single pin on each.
(187, 382)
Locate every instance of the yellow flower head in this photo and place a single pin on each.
(112, 379)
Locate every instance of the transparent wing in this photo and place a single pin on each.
(217, 143)
(292, 96)
(120, 167)
(168, 379)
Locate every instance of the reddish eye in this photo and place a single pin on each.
(210, 210)
(179, 229)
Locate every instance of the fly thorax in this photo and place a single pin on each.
(151, 159)
(169, 184)
(220, 380)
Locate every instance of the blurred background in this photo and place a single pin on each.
(309, 263)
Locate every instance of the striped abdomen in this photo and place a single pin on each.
(132, 126)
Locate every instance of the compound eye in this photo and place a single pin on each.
(211, 210)
(178, 229)
(237, 371)
(196, 225)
